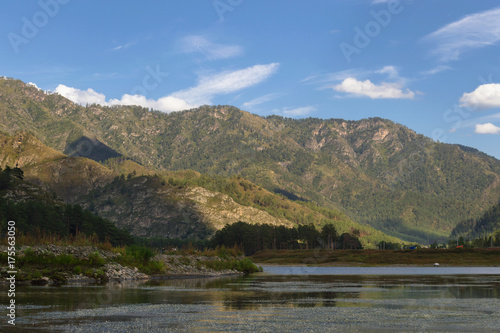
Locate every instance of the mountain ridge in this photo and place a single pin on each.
(173, 205)
(379, 172)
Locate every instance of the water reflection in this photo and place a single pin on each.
(279, 301)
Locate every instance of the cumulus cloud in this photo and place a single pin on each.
(207, 88)
(368, 89)
(471, 32)
(212, 51)
(33, 85)
(165, 104)
(487, 128)
(486, 96)
(89, 96)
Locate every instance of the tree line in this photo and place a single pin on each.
(255, 237)
(39, 216)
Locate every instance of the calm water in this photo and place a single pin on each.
(283, 299)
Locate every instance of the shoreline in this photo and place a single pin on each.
(379, 258)
(369, 265)
(88, 265)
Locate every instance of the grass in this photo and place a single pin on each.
(33, 266)
(244, 265)
(38, 237)
(451, 257)
(140, 257)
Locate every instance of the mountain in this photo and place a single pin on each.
(485, 225)
(39, 215)
(380, 173)
(183, 204)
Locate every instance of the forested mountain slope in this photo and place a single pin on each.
(483, 226)
(182, 204)
(379, 172)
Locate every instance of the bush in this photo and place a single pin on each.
(95, 260)
(246, 266)
(77, 270)
(139, 252)
(58, 278)
(65, 260)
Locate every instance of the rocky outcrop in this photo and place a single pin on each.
(174, 265)
(191, 265)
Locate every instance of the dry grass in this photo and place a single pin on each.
(452, 257)
(38, 237)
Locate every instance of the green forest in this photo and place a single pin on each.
(480, 227)
(255, 237)
(37, 217)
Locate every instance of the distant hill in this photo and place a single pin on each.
(41, 215)
(483, 226)
(183, 204)
(378, 172)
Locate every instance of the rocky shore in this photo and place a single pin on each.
(173, 265)
(191, 265)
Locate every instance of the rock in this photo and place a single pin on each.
(40, 282)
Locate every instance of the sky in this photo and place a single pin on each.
(433, 66)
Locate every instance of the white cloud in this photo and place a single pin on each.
(165, 104)
(33, 85)
(487, 128)
(435, 70)
(302, 111)
(391, 72)
(485, 96)
(368, 89)
(260, 100)
(89, 96)
(471, 32)
(294, 112)
(124, 46)
(493, 116)
(207, 88)
(330, 80)
(212, 51)
(82, 97)
(327, 79)
(226, 82)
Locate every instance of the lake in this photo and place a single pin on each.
(282, 299)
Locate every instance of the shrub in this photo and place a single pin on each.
(58, 278)
(77, 270)
(246, 266)
(95, 260)
(139, 252)
(65, 260)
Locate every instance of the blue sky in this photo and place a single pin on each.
(433, 66)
